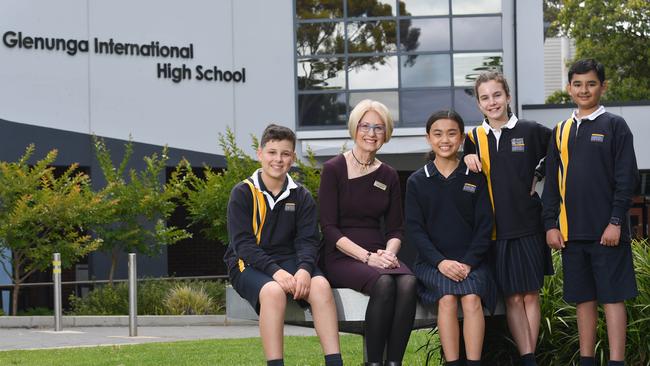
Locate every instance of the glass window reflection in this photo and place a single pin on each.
(309, 9)
(389, 98)
(322, 109)
(467, 66)
(320, 38)
(424, 34)
(425, 70)
(417, 105)
(377, 8)
(424, 7)
(321, 74)
(465, 104)
(475, 6)
(372, 72)
(477, 33)
(372, 36)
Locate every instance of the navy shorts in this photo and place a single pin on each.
(249, 283)
(597, 272)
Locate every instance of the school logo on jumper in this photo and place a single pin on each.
(380, 185)
(597, 137)
(290, 206)
(469, 187)
(518, 144)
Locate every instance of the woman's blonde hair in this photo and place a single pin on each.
(367, 105)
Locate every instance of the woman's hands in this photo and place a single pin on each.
(383, 259)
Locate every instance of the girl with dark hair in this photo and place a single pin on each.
(449, 219)
(511, 152)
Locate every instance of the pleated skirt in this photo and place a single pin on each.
(522, 263)
(432, 285)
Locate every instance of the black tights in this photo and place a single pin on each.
(389, 317)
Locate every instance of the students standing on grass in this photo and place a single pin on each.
(449, 219)
(274, 244)
(592, 174)
(361, 220)
(510, 152)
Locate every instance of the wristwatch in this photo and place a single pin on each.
(616, 221)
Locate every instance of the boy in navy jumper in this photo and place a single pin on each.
(592, 174)
(274, 241)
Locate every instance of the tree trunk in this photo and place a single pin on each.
(14, 298)
(111, 272)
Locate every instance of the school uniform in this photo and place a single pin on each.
(450, 218)
(592, 173)
(268, 233)
(511, 157)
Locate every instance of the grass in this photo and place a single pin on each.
(246, 351)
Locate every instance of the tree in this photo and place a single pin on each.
(41, 214)
(138, 205)
(207, 199)
(616, 33)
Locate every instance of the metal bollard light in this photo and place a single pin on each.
(56, 274)
(133, 297)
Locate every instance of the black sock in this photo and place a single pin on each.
(587, 361)
(616, 363)
(528, 359)
(452, 363)
(278, 362)
(473, 363)
(333, 360)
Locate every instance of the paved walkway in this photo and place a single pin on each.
(26, 339)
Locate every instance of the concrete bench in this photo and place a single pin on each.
(350, 307)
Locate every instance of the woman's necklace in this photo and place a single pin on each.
(363, 167)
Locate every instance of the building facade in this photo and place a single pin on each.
(179, 73)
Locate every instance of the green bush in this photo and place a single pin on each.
(114, 300)
(37, 311)
(558, 340)
(185, 300)
(558, 343)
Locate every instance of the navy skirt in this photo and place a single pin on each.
(432, 285)
(521, 264)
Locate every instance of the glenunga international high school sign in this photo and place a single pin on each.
(153, 49)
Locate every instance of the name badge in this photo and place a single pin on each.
(597, 137)
(290, 206)
(380, 185)
(469, 187)
(518, 145)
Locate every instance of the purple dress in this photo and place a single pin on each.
(355, 208)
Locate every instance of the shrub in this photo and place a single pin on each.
(185, 300)
(37, 311)
(114, 300)
(558, 342)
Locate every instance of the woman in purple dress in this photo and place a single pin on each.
(361, 220)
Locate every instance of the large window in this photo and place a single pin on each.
(415, 56)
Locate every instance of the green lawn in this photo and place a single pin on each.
(248, 351)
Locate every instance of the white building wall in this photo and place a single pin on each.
(117, 96)
(557, 52)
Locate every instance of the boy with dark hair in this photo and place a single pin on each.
(274, 243)
(591, 175)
